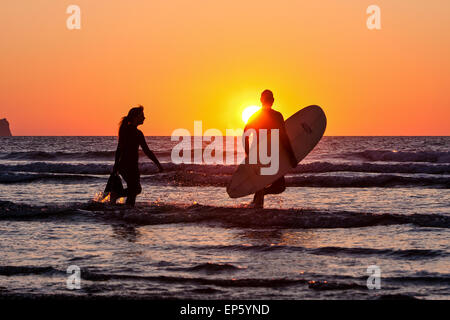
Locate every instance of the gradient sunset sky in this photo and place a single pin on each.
(209, 59)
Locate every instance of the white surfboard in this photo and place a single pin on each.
(305, 128)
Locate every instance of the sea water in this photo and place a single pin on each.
(353, 203)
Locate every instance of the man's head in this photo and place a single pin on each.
(267, 99)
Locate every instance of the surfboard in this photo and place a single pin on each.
(305, 128)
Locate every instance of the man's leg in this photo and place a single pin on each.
(258, 199)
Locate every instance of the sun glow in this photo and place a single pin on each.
(248, 112)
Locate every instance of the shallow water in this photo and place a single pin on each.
(352, 203)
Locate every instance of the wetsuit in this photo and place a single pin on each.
(126, 160)
(270, 119)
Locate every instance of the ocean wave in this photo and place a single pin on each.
(233, 217)
(150, 168)
(396, 253)
(88, 155)
(26, 270)
(103, 169)
(52, 167)
(207, 290)
(87, 274)
(326, 286)
(220, 175)
(430, 279)
(314, 282)
(42, 155)
(436, 157)
(191, 178)
(208, 267)
(400, 156)
(15, 177)
(11, 210)
(381, 181)
(322, 167)
(161, 213)
(412, 254)
(243, 282)
(397, 297)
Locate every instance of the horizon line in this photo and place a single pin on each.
(223, 136)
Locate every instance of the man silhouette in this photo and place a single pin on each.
(267, 118)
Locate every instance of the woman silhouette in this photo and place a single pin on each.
(127, 155)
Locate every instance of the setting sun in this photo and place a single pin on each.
(248, 112)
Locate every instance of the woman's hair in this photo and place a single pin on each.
(131, 114)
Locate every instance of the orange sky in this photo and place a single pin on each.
(207, 60)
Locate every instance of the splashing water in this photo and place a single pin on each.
(100, 197)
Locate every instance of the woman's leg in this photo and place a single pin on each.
(132, 178)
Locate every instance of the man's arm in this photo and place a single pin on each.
(246, 140)
(148, 152)
(248, 126)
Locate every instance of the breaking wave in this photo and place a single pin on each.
(209, 267)
(384, 181)
(149, 168)
(26, 270)
(14, 177)
(70, 156)
(190, 178)
(233, 217)
(219, 175)
(314, 282)
(333, 251)
(401, 156)
(42, 155)
(366, 155)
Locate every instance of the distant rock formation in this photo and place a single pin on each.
(4, 128)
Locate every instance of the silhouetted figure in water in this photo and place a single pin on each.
(267, 118)
(127, 155)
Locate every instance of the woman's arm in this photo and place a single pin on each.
(149, 152)
(118, 157)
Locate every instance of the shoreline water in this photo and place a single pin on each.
(352, 203)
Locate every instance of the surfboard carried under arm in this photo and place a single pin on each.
(305, 128)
